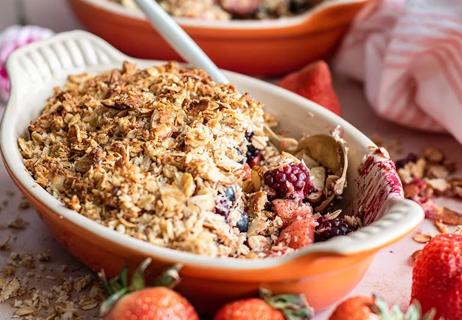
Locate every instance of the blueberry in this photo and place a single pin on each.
(230, 194)
(243, 223)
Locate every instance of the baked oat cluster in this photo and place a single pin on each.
(168, 156)
(231, 9)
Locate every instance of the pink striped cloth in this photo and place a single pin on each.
(11, 39)
(409, 56)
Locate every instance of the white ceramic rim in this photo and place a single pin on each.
(400, 215)
(280, 23)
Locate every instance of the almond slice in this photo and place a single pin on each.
(421, 237)
(442, 228)
(448, 216)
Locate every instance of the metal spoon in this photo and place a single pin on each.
(179, 39)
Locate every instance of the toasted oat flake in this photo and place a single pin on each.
(88, 303)
(18, 224)
(4, 242)
(9, 289)
(24, 311)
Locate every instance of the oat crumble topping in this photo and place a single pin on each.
(168, 156)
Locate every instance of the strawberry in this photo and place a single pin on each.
(437, 276)
(367, 308)
(299, 233)
(313, 82)
(268, 307)
(356, 308)
(253, 308)
(136, 302)
(154, 304)
(289, 210)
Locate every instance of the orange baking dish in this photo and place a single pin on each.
(269, 48)
(324, 271)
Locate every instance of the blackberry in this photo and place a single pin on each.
(251, 153)
(243, 223)
(289, 179)
(249, 135)
(224, 201)
(411, 157)
(327, 229)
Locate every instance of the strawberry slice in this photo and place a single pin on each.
(289, 210)
(298, 234)
(240, 7)
(313, 82)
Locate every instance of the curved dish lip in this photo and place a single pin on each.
(345, 245)
(280, 23)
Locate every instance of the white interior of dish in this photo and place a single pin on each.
(36, 69)
(231, 24)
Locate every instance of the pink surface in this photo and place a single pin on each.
(390, 273)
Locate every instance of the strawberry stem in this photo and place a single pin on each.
(293, 306)
(381, 309)
(118, 286)
(169, 278)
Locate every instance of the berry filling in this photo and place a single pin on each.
(243, 223)
(289, 181)
(411, 157)
(224, 202)
(253, 155)
(329, 228)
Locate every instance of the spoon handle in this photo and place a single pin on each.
(179, 39)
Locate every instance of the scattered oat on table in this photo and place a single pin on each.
(18, 224)
(66, 296)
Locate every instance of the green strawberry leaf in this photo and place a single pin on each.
(293, 306)
(123, 278)
(118, 286)
(381, 309)
(111, 300)
(169, 278)
(102, 277)
(138, 282)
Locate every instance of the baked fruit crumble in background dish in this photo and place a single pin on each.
(231, 9)
(166, 155)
